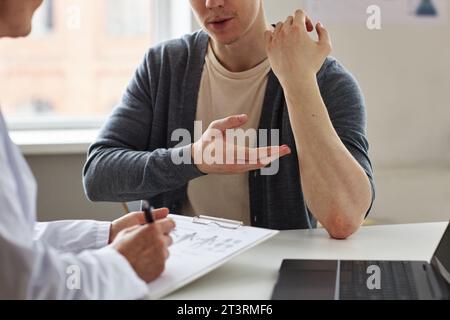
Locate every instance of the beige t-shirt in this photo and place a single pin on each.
(223, 94)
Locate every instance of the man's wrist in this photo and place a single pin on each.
(302, 84)
(303, 95)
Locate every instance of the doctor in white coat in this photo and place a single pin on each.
(67, 259)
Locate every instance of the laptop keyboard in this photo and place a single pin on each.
(397, 282)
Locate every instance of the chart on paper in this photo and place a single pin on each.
(191, 242)
(200, 248)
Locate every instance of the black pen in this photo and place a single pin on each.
(147, 211)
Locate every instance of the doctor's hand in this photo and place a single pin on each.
(146, 247)
(294, 56)
(133, 219)
(213, 154)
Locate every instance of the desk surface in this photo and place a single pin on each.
(253, 274)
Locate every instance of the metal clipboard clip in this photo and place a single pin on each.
(223, 223)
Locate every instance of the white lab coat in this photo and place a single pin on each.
(56, 260)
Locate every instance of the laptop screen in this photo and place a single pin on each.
(441, 257)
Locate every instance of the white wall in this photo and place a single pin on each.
(60, 190)
(405, 74)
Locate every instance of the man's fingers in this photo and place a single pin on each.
(260, 163)
(278, 27)
(161, 213)
(259, 158)
(266, 157)
(274, 156)
(242, 168)
(243, 154)
(324, 36)
(252, 155)
(269, 151)
(230, 122)
(251, 167)
(289, 21)
(300, 18)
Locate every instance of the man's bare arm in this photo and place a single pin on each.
(335, 186)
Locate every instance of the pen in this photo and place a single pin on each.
(147, 211)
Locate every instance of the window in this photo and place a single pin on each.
(43, 19)
(73, 69)
(124, 19)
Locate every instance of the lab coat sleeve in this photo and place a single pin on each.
(73, 236)
(37, 271)
(30, 265)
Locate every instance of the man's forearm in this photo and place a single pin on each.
(115, 174)
(336, 188)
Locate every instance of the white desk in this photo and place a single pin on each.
(253, 274)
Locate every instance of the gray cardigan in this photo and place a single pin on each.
(131, 159)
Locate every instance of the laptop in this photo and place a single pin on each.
(367, 280)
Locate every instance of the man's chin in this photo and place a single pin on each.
(225, 40)
(20, 32)
(26, 33)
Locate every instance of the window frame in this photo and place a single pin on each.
(163, 27)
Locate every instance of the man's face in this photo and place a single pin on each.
(16, 15)
(226, 20)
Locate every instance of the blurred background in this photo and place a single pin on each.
(59, 85)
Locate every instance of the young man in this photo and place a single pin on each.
(239, 72)
(67, 259)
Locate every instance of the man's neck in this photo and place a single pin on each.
(246, 52)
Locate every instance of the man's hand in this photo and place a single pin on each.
(232, 158)
(146, 247)
(133, 219)
(293, 55)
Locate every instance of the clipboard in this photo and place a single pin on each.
(223, 223)
(205, 220)
(201, 245)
